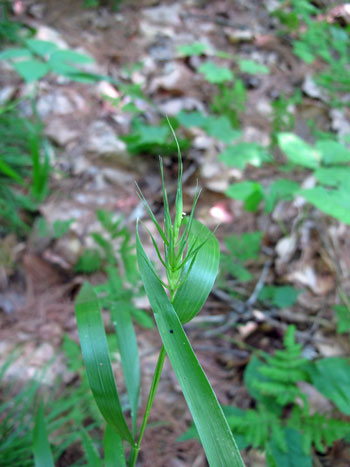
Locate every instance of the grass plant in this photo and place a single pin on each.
(190, 255)
(24, 168)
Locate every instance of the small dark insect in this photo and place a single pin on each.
(171, 331)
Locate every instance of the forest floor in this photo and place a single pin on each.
(93, 170)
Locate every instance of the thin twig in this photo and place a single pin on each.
(260, 284)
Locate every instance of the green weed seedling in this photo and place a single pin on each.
(24, 168)
(283, 119)
(282, 424)
(152, 139)
(230, 99)
(37, 58)
(10, 31)
(319, 40)
(218, 127)
(327, 159)
(231, 95)
(190, 256)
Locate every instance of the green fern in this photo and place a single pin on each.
(283, 371)
(90, 261)
(318, 429)
(279, 425)
(258, 426)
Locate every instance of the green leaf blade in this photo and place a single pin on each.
(96, 358)
(31, 70)
(41, 446)
(331, 376)
(333, 202)
(298, 151)
(193, 293)
(113, 446)
(124, 328)
(213, 430)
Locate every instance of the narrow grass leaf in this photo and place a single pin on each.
(151, 215)
(95, 352)
(213, 430)
(7, 170)
(167, 217)
(194, 291)
(124, 328)
(92, 457)
(178, 200)
(41, 446)
(114, 450)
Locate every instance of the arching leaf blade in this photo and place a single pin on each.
(129, 355)
(214, 432)
(193, 293)
(95, 352)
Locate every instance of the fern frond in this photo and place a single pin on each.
(257, 426)
(283, 371)
(318, 429)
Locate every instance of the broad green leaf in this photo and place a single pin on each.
(64, 61)
(193, 293)
(332, 152)
(14, 53)
(251, 193)
(298, 151)
(152, 134)
(252, 67)
(333, 202)
(31, 70)
(280, 296)
(96, 358)
(280, 189)
(217, 127)
(343, 318)
(213, 430)
(331, 376)
(242, 154)
(60, 228)
(114, 450)
(333, 176)
(197, 48)
(70, 56)
(153, 139)
(221, 129)
(235, 269)
(40, 47)
(190, 119)
(294, 457)
(245, 246)
(41, 446)
(124, 328)
(215, 74)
